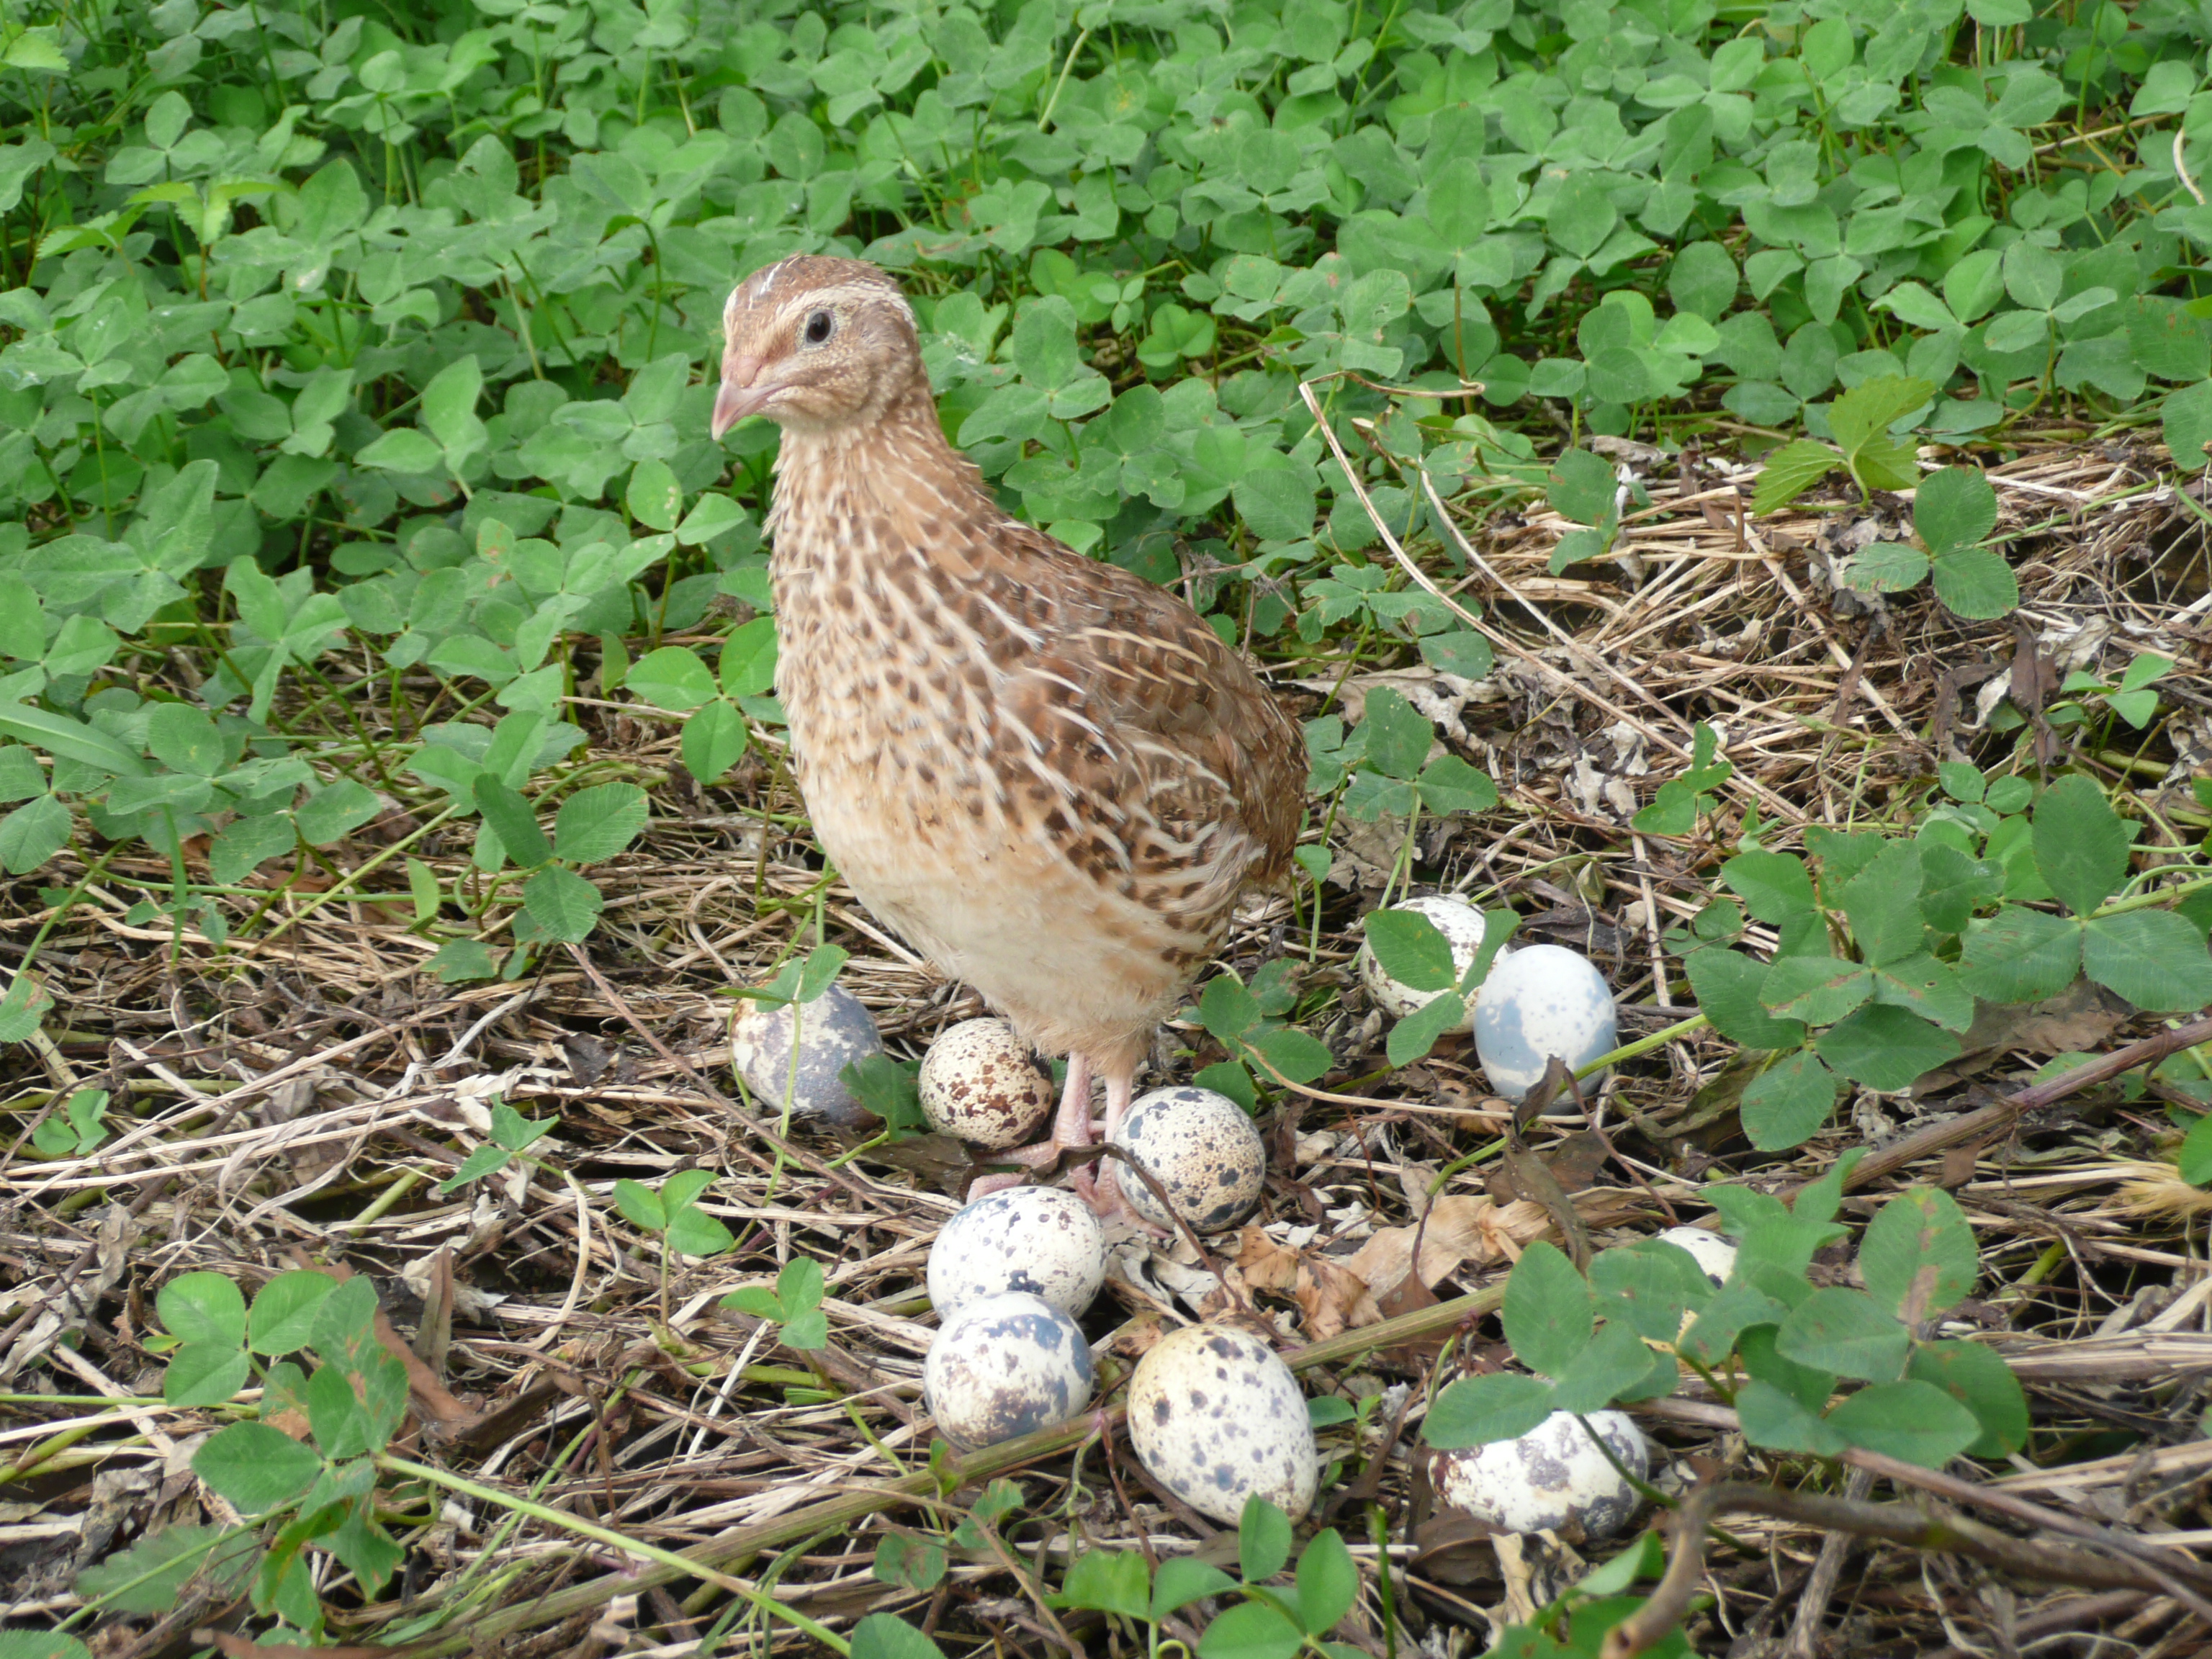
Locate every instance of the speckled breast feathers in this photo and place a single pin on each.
(1045, 771)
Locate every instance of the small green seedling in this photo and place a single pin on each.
(2132, 699)
(1582, 487)
(673, 1212)
(78, 1129)
(800, 980)
(511, 1132)
(1861, 419)
(320, 1490)
(795, 1303)
(1680, 802)
(1952, 511)
(1266, 1622)
(1248, 1022)
(1383, 767)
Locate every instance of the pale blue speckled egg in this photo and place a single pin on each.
(834, 1031)
(1542, 1000)
(1003, 1367)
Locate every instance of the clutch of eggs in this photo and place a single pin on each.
(1543, 1001)
(835, 1029)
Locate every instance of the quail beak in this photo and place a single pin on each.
(741, 394)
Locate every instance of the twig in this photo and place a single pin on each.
(1907, 1524)
(1972, 1126)
(2159, 1563)
(2181, 170)
(1804, 1641)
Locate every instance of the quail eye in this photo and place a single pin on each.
(817, 327)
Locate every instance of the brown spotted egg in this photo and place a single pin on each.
(1551, 1475)
(1003, 1367)
(981, 1083)
(1202, 1148)
(835, 1029)
(1216, 1417)
(1043, 1240)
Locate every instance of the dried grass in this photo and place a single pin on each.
(301, 1092)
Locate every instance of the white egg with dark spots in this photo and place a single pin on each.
(1550, 1476)
(981, 1083)
(1216, 1416)
(1543, 1001)
(1203, 1150)
(1003, 1367)
(834, 1031)
(1461, 924)
(1042, 1240)
(1712, 1253)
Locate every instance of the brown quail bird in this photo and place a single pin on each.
(1043, 771)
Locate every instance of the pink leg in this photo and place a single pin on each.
(1109, 1201)
(1071, 1128)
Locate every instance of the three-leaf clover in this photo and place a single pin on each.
(1952, 511)
(795, 1303)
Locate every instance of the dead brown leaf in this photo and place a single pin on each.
(1331, 1296)
(2075, 1021)
(1460, 1229)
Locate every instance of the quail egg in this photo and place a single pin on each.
(1710, 1251)
(1551, 1475)
(981, 1083)
(1543, 1001)
(1042, 1240)
(834, 1031)
(1201, 1147)
(1461, 924)
(1003, 1367)
(1216, 1416)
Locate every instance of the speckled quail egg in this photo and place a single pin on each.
(1551, 1475)
(1710, 1251)
(1003, 1367)
(1201, 1147)
(983, 1083)
(1042, 1240)
(834, 1031)
(1543, 1001)
(1216, 1416)
(1461, 924)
